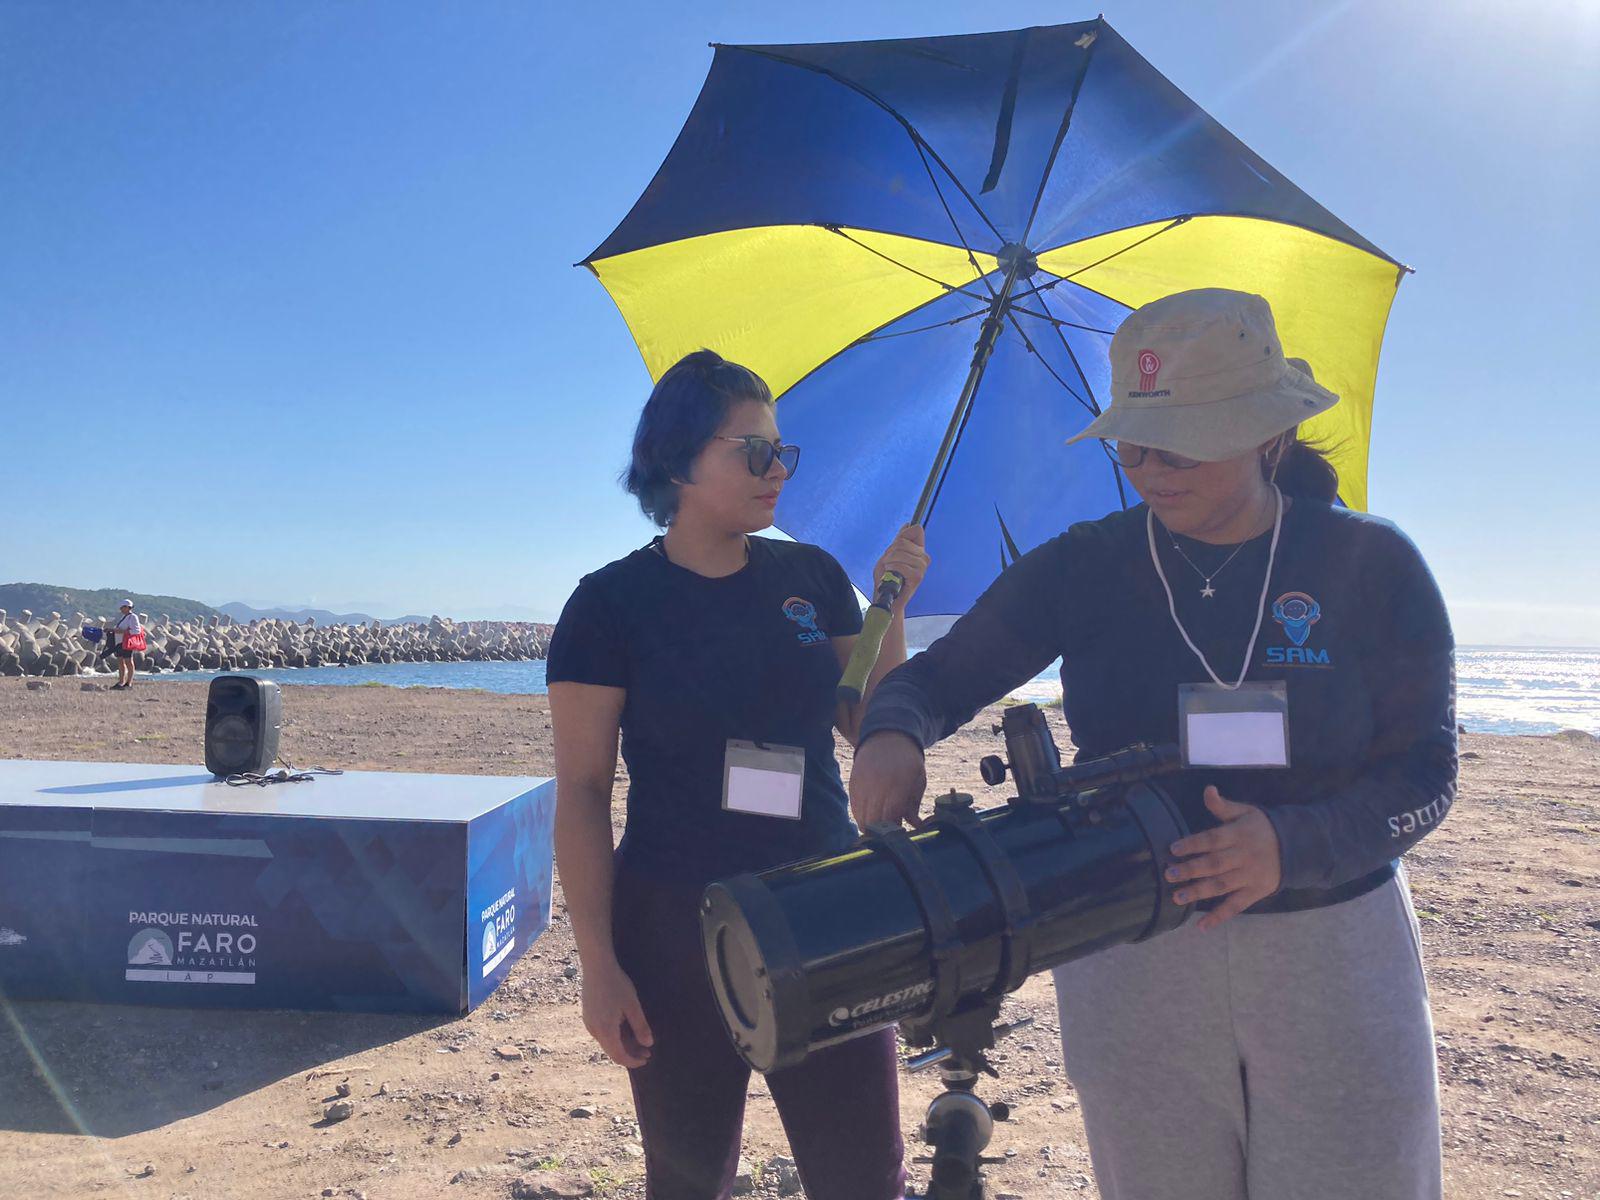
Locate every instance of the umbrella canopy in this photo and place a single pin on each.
(842, 218)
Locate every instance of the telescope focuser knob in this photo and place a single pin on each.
(993, 769)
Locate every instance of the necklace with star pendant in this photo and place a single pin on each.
(1207, 592)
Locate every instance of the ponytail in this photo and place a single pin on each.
(1301, 469)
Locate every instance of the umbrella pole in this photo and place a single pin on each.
(875, 623)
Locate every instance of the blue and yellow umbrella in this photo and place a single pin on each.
(924, 246)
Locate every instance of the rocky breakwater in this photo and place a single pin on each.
(52, 646)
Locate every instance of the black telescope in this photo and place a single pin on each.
(926, 926)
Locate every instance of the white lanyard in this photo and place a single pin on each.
(1261, 610)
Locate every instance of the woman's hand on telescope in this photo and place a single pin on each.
(1238, 860)
(614, 1018)
(887, 780)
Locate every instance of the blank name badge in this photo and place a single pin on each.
(1246, 726)
(760, 778)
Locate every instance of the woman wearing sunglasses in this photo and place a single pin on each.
(715, 654)
(1279, 1045)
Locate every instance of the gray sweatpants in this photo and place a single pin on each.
(1279, 1057)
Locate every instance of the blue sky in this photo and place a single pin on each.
(287, 309)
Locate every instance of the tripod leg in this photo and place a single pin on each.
(958, 1126)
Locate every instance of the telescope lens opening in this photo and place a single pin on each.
(739, 976)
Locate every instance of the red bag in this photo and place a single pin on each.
(133, 641)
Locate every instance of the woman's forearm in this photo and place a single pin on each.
(1005, 639)
(583, 857)
(890, 656)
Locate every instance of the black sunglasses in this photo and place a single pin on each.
(760, 452)
(1129, 455)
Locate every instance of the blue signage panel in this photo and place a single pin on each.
(277, 912)
(374, 892)
(509, 877)
(44, 878)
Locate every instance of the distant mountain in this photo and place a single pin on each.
(244, 613)
(42, 599)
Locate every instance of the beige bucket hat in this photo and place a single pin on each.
(1202, 374)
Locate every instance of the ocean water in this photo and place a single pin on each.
(1515, 690)
(517, 678)
(1500, 689)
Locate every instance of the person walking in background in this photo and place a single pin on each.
(126, 630)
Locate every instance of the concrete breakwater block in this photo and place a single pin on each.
(53, 647)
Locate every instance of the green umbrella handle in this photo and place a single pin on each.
(873, 626)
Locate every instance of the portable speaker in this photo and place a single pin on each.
(243, 716)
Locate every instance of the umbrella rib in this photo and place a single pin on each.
(883, 337)
(956, 225)
(1183, 218)
(1066, 123)
(1116, 473)
(1045, 363)
(948, 287)
(1043, 288)
(1076, 366)
(960, 237)
(1094, 405)
(875, 334)
(922, 144)
(1057, 321)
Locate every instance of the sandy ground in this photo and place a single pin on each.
(148, 1102)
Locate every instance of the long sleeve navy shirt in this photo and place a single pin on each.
(1355, 627)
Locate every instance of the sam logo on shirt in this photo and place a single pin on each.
(804, 614)
(1297, 613)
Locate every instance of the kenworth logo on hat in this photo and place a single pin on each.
(1149, 364)
(1149, 368)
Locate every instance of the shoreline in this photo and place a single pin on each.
(1040, 691)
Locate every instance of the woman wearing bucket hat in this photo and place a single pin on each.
(1279, 1045)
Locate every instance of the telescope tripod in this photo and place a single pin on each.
(958, 1125)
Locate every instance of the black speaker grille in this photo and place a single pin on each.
(233, 742)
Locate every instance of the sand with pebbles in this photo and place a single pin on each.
(145, 1102)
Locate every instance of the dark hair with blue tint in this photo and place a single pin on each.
(1303, 470)
(686, 408)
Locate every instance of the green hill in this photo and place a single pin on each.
(42, 599)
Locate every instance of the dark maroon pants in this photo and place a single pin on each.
(840, 1107)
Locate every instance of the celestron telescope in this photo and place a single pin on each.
(932, 929)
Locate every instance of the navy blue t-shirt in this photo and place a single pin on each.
(748, 656)
(1354, 626)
